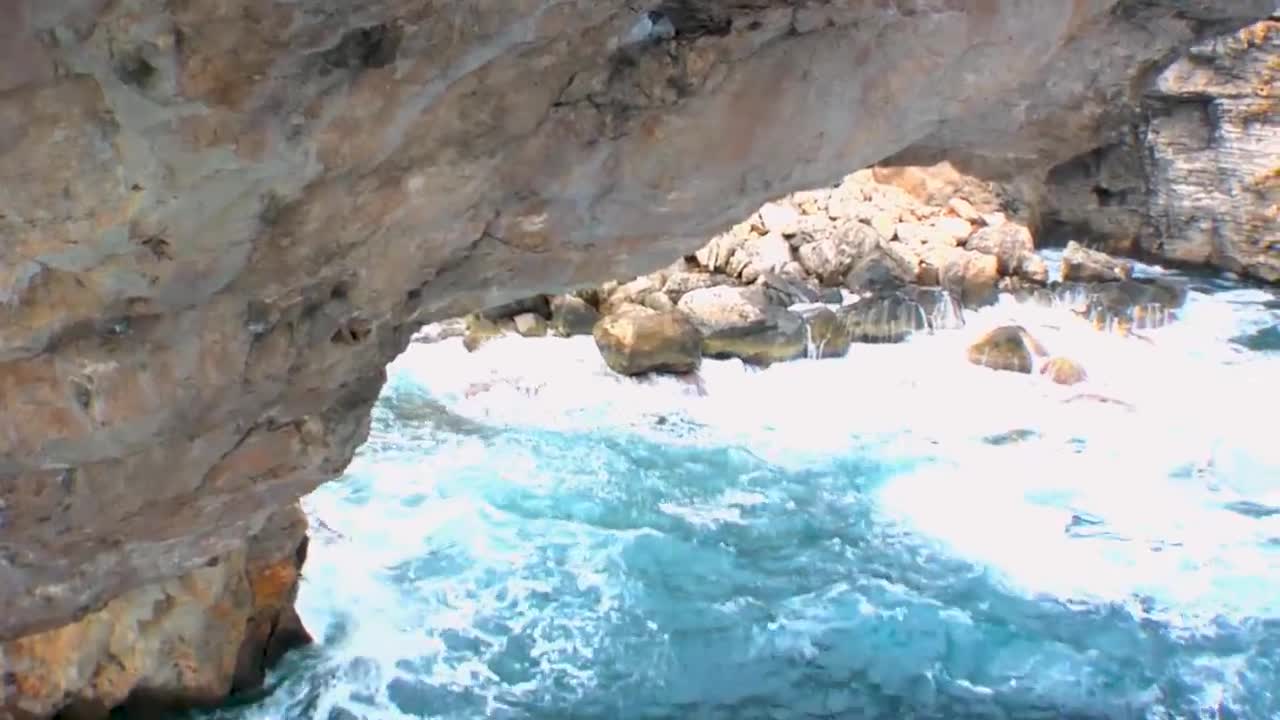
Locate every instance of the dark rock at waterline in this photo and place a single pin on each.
(740, 322)
(879, 269)
(1025, 291)
(828, 336)
(888, 317)
(1081, 264)
(942, 310)
(639, 340)
(571, 315)
(787, 291)
(1009, 348)
(1123, 305)
(779, 337)
(891, 316)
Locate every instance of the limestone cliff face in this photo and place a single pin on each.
(1195, 178)
(220, 219)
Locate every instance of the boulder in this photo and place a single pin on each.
(884, 267)
(659, 301)
(639, 340)
(1014, 250)
(716, 309)
(950, 231)
(1126, 305)
(780, 218)
(830, 257)
(480, 330)
(785, 290)
(633, 292)
(827, 334)
(1063, 371)
(739, 322)
(537, 304)
(716, 254)
(884, 317)
(1080, 264)
(1009, 348)
(964, 210)
(780, 336)
(969, 275)
(942, 309)
(530, 324)
(679, 283)
(757, 255)
(571, 315)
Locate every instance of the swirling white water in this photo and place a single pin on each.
(894, 534)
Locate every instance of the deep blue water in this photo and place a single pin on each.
(891, 535)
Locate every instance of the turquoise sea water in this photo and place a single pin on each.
(895, 534)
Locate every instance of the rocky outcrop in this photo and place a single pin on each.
(189, 640)
(222, 219)
(1196, 177)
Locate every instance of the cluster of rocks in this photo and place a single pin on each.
(809, 275)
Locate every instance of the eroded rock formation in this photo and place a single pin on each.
(219, 221)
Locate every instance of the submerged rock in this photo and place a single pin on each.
(1126, 305)
(1009, 347)
(639, 340)
(1063, 371)
(1080, 264)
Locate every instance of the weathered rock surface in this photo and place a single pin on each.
(638, 340)
(1195, 177)
(1009, 348)
(209, 632)
(1080, 264)
(220, 220)
(572, 315)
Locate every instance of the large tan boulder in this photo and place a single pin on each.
(640, 340)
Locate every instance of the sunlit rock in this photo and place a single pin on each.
(639, 340)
